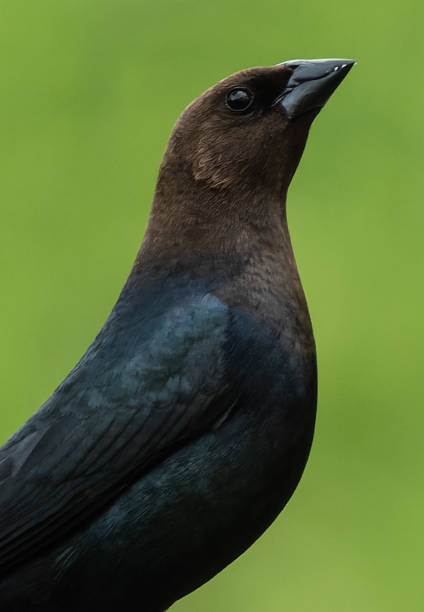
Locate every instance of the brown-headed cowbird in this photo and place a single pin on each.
(184, 429)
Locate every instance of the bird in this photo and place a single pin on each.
(184, 429)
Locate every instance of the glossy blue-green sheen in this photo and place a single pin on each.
(184, 430)
(89, 93)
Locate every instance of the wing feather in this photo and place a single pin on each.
(118, 413)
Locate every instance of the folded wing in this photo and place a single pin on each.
(145, 386)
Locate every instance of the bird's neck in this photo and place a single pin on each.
(191, 219)
(239, 241)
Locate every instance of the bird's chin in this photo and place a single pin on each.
(305, 119)
(296, 135)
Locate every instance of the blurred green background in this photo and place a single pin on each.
(90, 90)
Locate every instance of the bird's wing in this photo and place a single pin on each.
(133, 398)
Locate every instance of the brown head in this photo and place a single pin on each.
(231, 157)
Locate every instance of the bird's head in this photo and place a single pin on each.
(248, 131)
(232, 154)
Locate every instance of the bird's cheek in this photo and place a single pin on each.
(212, 168)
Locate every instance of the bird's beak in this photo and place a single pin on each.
(310, 85)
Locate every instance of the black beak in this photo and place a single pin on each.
(311, 84)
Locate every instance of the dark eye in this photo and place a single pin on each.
(239, 99)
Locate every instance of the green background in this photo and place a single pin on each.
(90, 90)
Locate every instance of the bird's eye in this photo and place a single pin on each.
(239, 99)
